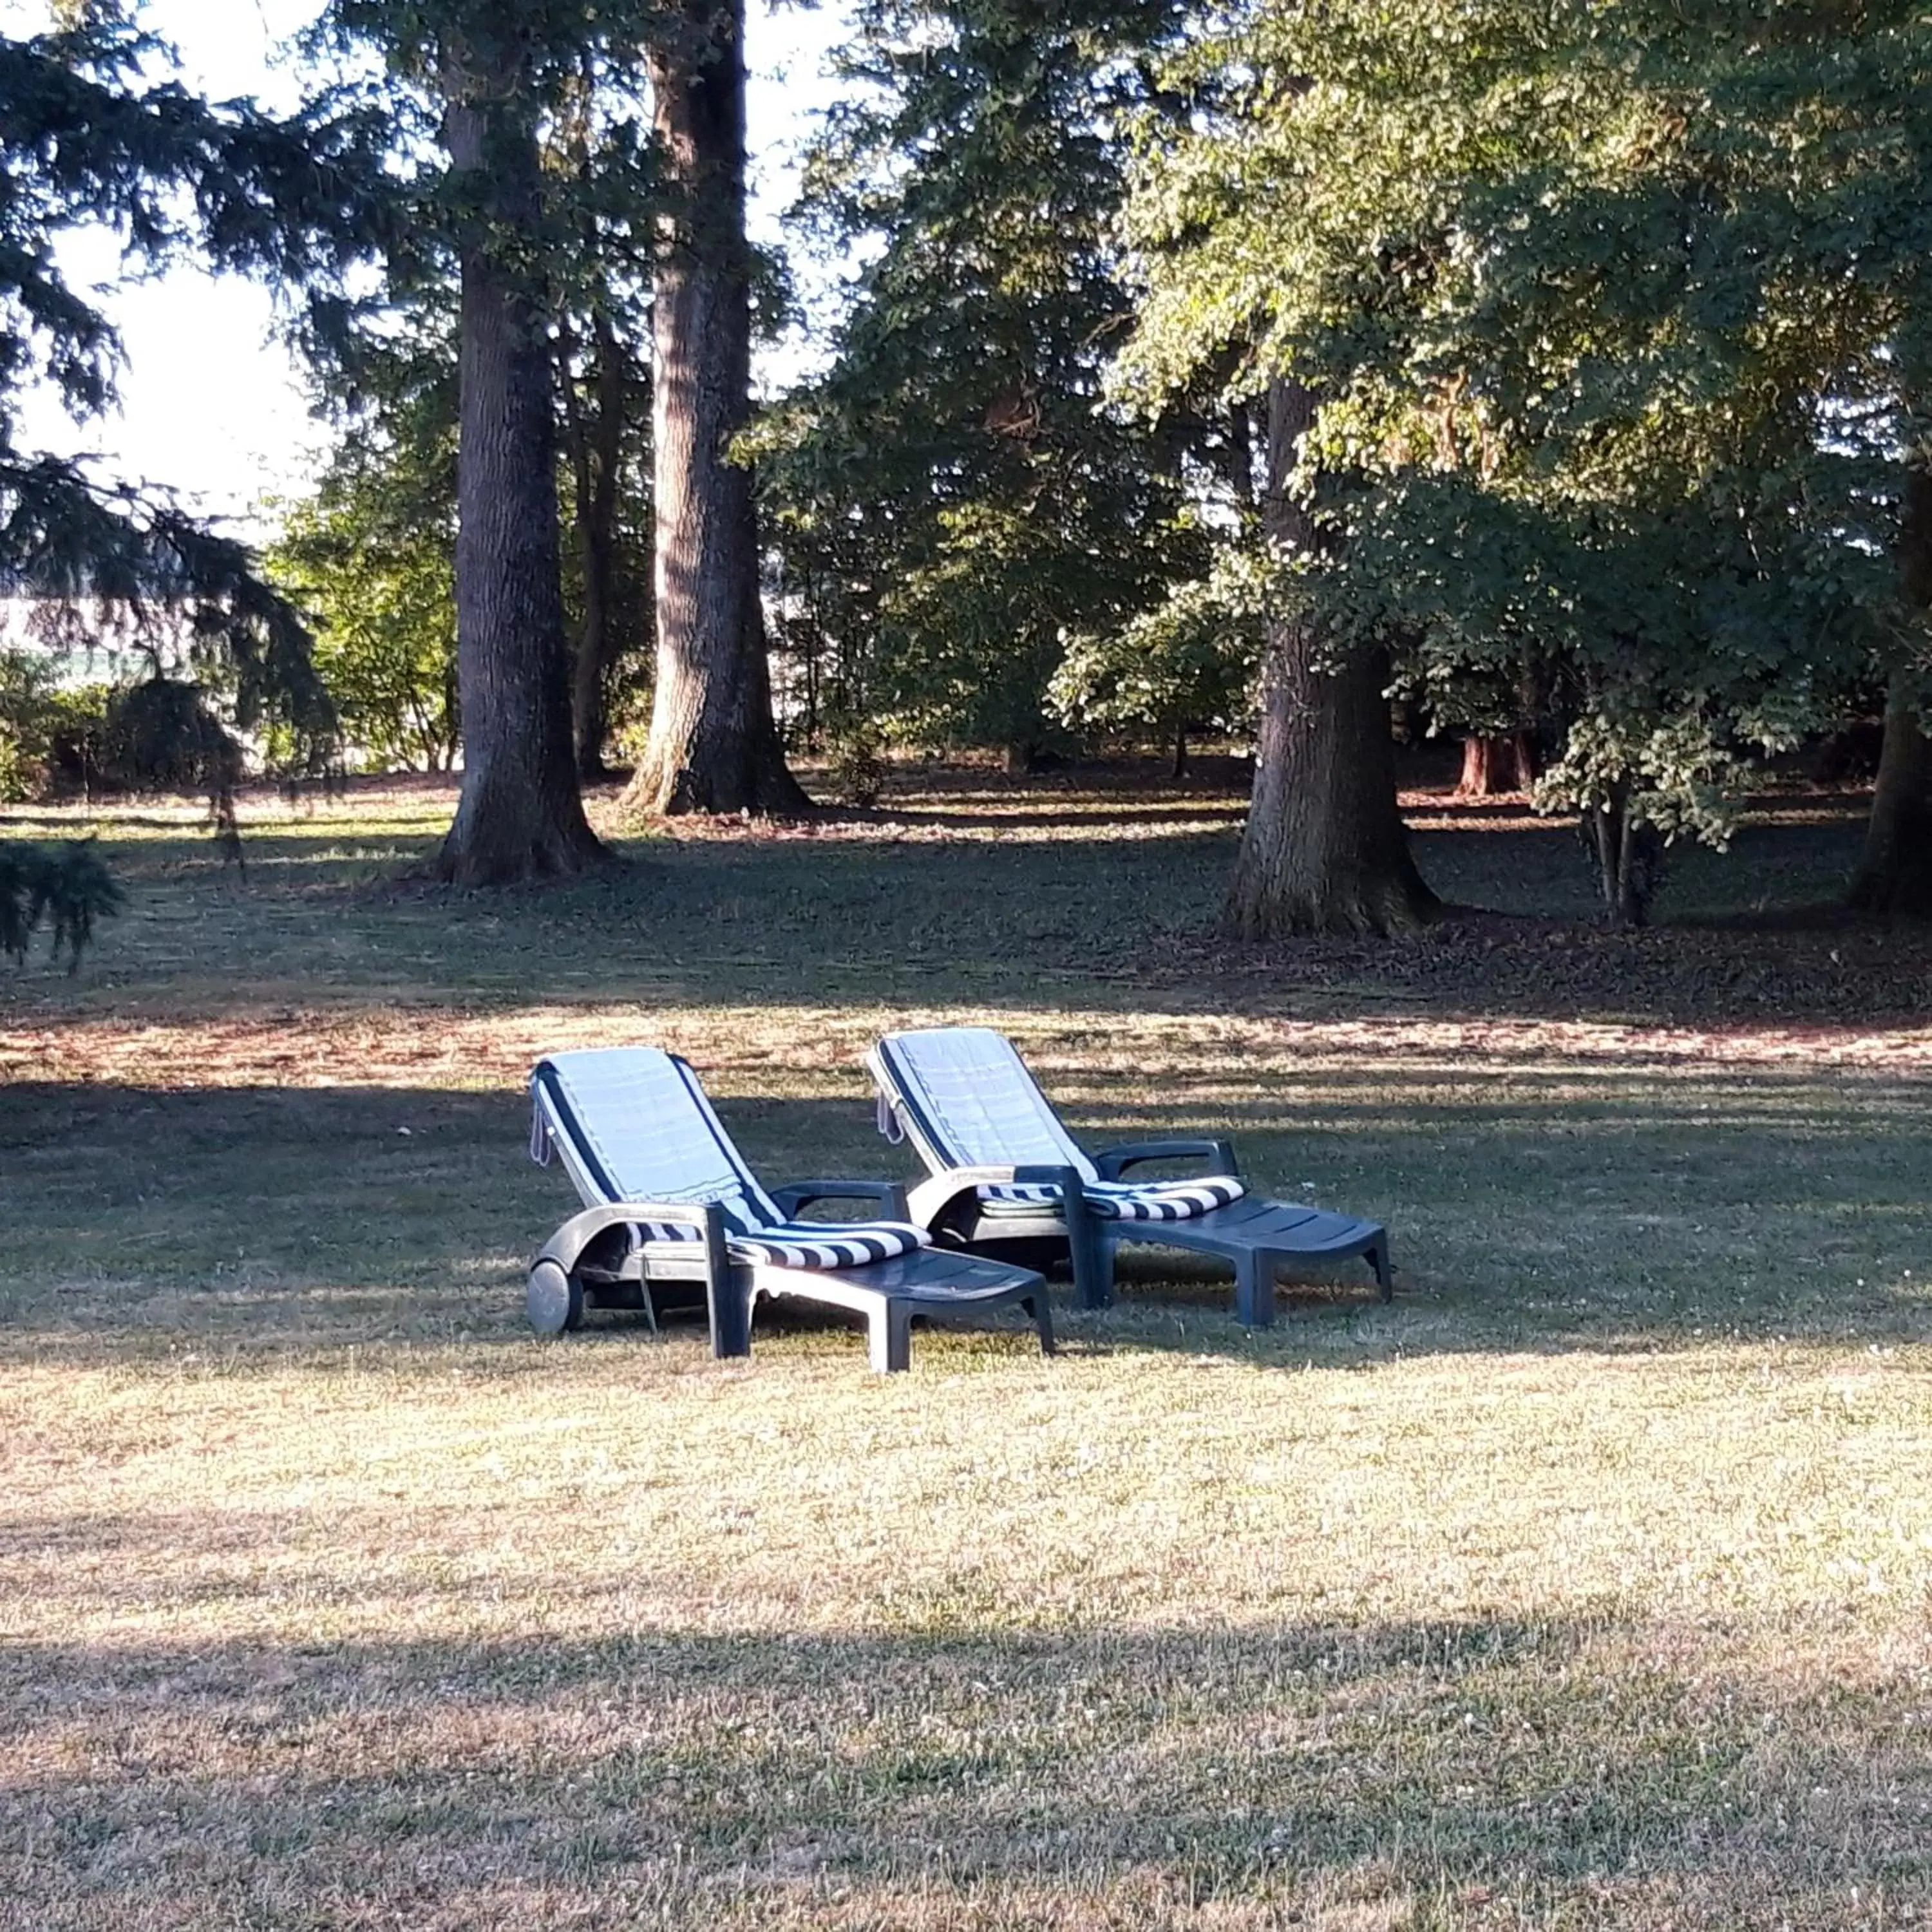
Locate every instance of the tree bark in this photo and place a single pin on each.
(713, 745)
(1496, 762)
(1325, 850)
(597, 447)
(521, 815)
(1894, 873)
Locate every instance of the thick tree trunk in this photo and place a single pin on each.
(1894, 873)
(519, 815)
(1497, 762)
(1325, 850)
(713, 746)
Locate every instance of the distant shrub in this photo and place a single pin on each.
(49, 734)
(856, 769)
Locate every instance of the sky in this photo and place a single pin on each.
(211, 404)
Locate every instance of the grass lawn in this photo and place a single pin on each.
(1588, 1584)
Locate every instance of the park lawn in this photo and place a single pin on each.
(1588, 1584)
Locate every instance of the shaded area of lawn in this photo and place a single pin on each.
(1465, 1772)
(1097, 887)
(1546, 1207)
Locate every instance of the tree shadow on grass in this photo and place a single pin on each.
(1649, 1214)
(1072, 921)
(947, 1771)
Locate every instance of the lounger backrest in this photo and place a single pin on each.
(965, 1098)
(631, 1124)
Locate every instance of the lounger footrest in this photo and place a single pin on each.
(930, 1284)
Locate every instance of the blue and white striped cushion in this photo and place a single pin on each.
(828, 1244)
(1131, 1201)
(964, 1096)
(807, 1244)
(632, 1123)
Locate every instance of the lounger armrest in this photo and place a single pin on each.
(567, 1245)
(890, 1195)
(729, 1312)
(930, 1198)
(1219, 1155)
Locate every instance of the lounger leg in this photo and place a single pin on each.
(1254, 1288)
(1042, 1312)
(1378, 1258)
(889, 1337)
(1093, 1256)
(730, 1311)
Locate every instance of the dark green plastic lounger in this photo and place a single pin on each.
(671, 1204)
(964, 1098)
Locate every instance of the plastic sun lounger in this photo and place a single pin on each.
(964, 1098)
(669, 1200)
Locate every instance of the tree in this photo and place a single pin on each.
(370, 555)
(954, 501)
(1324, 849)
(86, 137)
(1606, 311)
(372, 549)
(713, 744)
(1894, 872)
(492, 72)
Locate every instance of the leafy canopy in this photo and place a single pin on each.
(1615, 314)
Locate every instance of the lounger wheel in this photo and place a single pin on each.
(555, 1299)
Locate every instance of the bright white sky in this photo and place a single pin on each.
(211, 403)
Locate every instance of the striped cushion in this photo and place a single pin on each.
(806, 1244)
(966, 1099)
(964, 1096)
(632, 1123)
(1126, 1200)
(828, 1244)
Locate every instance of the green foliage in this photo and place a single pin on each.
(44, 725)
(90, 136)
(65, 889)
(383, 599)
(1614, 316)
(370, 558)
(857, 769)
(1186, 664)
(954, 498)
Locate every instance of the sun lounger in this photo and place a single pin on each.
(964, 1098)
(669, 1200)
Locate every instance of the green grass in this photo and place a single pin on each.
(1588, 1584)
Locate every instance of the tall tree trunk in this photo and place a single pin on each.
(1894, 873)
(521, 815)
(1325, 850)
(597, 445)
(713, 746)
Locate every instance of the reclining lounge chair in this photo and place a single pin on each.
(964, 1098)
(669, 1199)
